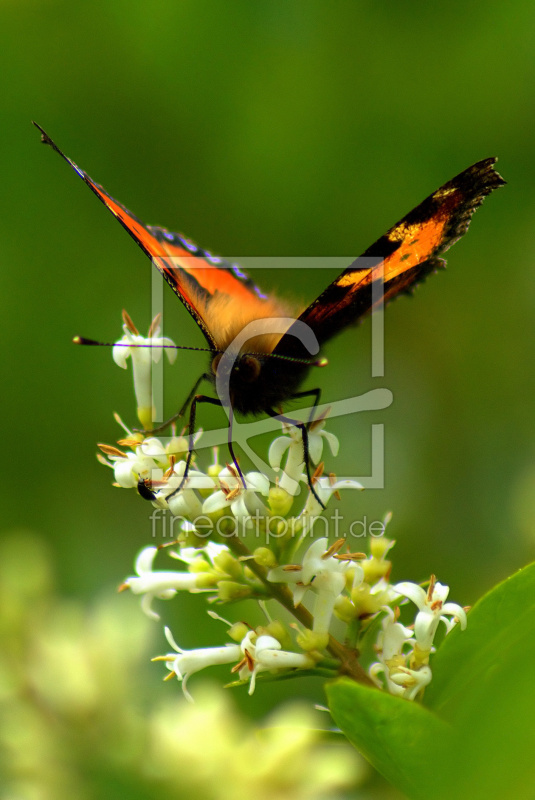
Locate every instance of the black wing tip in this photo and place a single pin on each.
(474, 185)
(45, 138)
(485, 174)
(498, 180)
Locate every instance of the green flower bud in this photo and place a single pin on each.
(309, 640)
(344, 609)
(238, 631)
(227, 563)
(178, 447)
(265, 557)
(280, 501)
(230, 590)
(379, 546)
(207, 580)
(365, 602)
(375, 569)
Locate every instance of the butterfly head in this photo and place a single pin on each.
(256, 383)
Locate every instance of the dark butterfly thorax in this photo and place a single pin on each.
(258, 384)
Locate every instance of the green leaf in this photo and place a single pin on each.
(403, 740)
(484, 685)
(499, 629)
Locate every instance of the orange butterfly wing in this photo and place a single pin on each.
(402, 258)
(194, 274)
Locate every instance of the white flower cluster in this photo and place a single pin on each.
(404, 652)
(328, 587)
(337, 583)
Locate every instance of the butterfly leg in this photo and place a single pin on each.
(231, 448)
(315, 393)
(199, 398)
(304, 436)
(204, 377)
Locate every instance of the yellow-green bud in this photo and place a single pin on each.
(344, 609)
(177, 446)
(309, 640)
(297, 526)
(379, 545)
(349, 576)
(225, 524)
(206, 580)
(365, 602)
(212, 472)
(238, 631)
(216, 515)
(191, 538)
(282, 530)
(214, 469)
(200, 565)
(227, 563)
(248, 573)
(279, 501)
(375, 569)
(265, 557)
(230, 590)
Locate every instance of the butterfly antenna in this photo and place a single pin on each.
(94, 343)
(318, 362)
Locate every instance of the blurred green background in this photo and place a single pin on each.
(273, 128)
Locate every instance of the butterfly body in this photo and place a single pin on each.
(261, 349)
(259, 383)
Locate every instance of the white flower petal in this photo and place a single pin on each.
(277, 450)
(171, 639)
(146, 602)
(257, 482)
(160, 583)
(315, 448)
(333, 442)
(215, 502)
(127, 471)
(185, 504)
(413, 592)
(151, 448)
(457, 612)
(170, 350)
(120, 354)
(145, 560)
(312, 560)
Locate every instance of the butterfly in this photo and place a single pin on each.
(261, 348)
